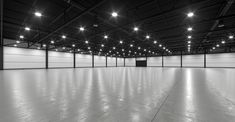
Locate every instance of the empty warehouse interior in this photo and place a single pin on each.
(117, 61)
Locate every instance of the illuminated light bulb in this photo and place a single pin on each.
(190, 29)
(105, 36)
(81, 28)
(114, 14)
(38, 14)
(136, 28)
(27, 28)
(63, 36)
(147, 37)
(21, 36)
(230, 37)
(190, 14)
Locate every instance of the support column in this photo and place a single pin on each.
(74, 59)
(1, 36)
(106, 61)
(181, 60)
(204, 58)
(46, 56)
(146, 61)
(93, 60)
(162, 61)
(124, 62)
(116, 61)
(1, 57)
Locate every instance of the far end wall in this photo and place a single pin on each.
(15, 58)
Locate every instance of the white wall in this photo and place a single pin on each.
(111, 61)
(83, 60)
(99, 61)
(172, 61)
(193, 60)
(154, 61)
(60, 59)
(120, 62)
(130, 62)
(141, 59)
(23, 58)
(220, 60)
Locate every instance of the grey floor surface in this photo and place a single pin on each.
(118, 95)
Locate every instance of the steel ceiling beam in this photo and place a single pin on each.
(69, 22)
(54, 20)
(151, 17)
(221, 13)
(104, 20)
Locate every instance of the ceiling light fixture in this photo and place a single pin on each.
(190, 14)
(38, 14)
(63, 36)
(114, 14)
(27, 28)
(21, 36)
(230, 37)
(190, 29)
(147, 37)
(81, 28)
(136, 28)
(105, 36)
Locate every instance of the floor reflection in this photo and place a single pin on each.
(117, 94)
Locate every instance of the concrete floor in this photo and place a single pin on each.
(118, 95)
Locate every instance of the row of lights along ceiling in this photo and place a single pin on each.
(190, 29)
(135, 29)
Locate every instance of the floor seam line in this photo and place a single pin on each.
(155, 116)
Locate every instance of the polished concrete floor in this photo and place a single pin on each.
(118, 95)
